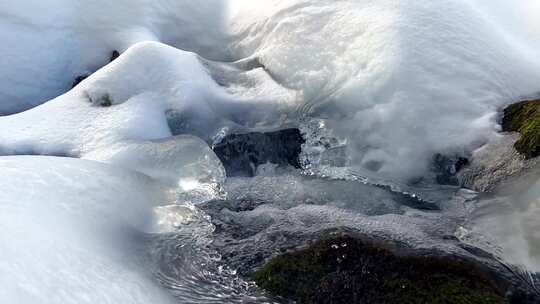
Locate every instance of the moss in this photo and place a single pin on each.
(524, 117)
(346, 269)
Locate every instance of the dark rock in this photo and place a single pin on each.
(347, 269)
(524, 117)
(80, 79)
(104, 100)
(447, 167)
(214, 207)
(461, 163)
(242, 153)
(115, 54)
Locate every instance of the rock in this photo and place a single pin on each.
(249, 232)
(80, 79)
(241, 154)
(524, 117)
(494, 164)
(347, 269)
(446, 168)
(512, 154)
(102, 100)
(115, 54)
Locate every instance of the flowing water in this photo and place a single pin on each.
(216, 244)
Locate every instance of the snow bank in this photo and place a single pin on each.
(47, 44)
(137, 97)
(401, 80)
(71, 232)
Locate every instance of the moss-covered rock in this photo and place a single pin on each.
(524, 117)
(345, 269)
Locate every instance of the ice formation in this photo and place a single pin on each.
(173, 161)
(507, 223)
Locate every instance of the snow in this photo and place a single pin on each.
(394, 81)
(401, 80)
(52, 42)
(71, 230)
(118, 119)
(144, 86)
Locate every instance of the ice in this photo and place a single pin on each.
(71, 232)
(507, 223)
(182, 161)
(81, 231)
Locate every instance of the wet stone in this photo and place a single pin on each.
(241, 154)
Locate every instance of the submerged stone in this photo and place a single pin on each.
(346, 269)
(524, 117)
(241, 154)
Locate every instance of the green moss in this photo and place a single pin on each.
(347, 270)
(524, 117)
(277, 272)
